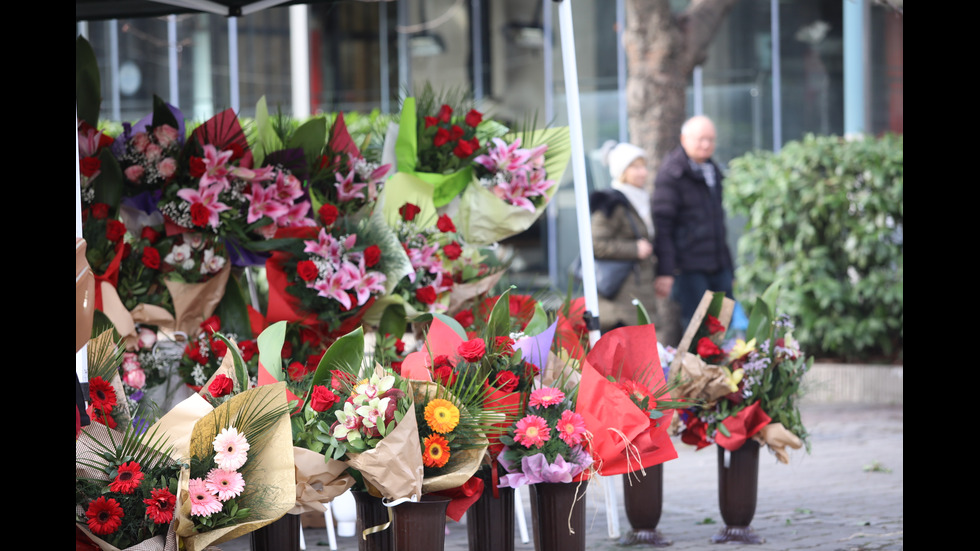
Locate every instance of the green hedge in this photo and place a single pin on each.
(825, 216)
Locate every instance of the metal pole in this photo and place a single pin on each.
(233, 63)
(172, 59)
(114, 69)
(777, 95)
(404, 53)
(548, 53)
(299, 55)
(624, 135)
(476, 26)
(698, 91)
(383, 47)
(855, 121)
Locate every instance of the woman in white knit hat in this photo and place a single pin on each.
(622, 229)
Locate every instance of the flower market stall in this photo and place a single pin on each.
(201, 384)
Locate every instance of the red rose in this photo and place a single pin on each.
(465, 317)
(287, 350)
(197, 167)
(322, 398)
(341, 379)
(506, 381)
(89, 166)
(442, 370)
(310, 337)
(441, 137)
(328, 213)
(372, 255)
(200, 215)
(504, 344)
(445, 113)
(307, 270)
(296, 371)
(221, 386)
(474, 117)
(193, 351)
(219, 348)
(472, 350)
(452, 250)
(714, 326)
(455, 132)
(430, 121)
(314, 361)
(127, 250)
(150, 234)
(463, 149)
(445, 224)
(114, 230)
(100, 211)
(249, 349)
(708, 349)
(212, 324)
(408, 211)
(237, 151)
(399, 346)
(426, 295)
(151, 258)
(475, 143)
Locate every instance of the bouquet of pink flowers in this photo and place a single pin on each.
(148, 151)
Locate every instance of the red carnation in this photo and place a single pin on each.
(115, 230)
(474, 117)
(328, 213)
(408, 211)
(307, 270)
(100, 211)
(372, 255)
(445, 224)
(452, 250)
(222, 385)
(472, 350)
(151, 258)
(426, 295)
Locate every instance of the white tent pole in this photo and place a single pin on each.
(583, 215)
(578, 166)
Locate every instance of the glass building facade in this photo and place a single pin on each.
(776, 71)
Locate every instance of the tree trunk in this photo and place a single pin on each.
(662, 50)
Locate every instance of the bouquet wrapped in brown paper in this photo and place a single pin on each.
(741, 390)
(238, 478)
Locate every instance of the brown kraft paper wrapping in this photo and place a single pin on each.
(196, 302)
(394, 467)
(318, 481)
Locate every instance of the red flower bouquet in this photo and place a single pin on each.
(747, 389)
(206, 353)
(148, 151)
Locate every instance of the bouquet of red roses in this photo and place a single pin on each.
(205, 354)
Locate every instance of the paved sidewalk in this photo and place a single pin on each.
(847, 494)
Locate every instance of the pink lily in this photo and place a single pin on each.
(325, 246)
(296, 216)
(334, 286)
(216, 167)
(347, 190)
(207, 197)
(288, 187)
(263, 202)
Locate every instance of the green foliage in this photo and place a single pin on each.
(825, 216)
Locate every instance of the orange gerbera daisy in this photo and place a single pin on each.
(436, 452)
(441, 415)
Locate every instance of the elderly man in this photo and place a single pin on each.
(689, 219)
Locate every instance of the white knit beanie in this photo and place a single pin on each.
(620, 156)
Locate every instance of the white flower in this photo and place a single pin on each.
(212, 263)
(179, 255)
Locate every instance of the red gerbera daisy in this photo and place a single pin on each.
(104, 516)
(101, 394)
(129, 478)
(160, 505)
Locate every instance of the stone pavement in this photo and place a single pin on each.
(846, 494)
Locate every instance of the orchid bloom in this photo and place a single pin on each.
(263, 202)
(373, 387)
(373, 410)
(212, 263)
(207, 196)
(349, 423)
(741, 348)
(347, 189)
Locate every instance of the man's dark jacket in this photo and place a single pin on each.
(688, 218)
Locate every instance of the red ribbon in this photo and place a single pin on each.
(462, 497)
(111, 275)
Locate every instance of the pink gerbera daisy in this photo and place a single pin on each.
(546, 396)
(231, 447)
(203, 502)
(532, 431)
(225, 484)
(571, 428)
